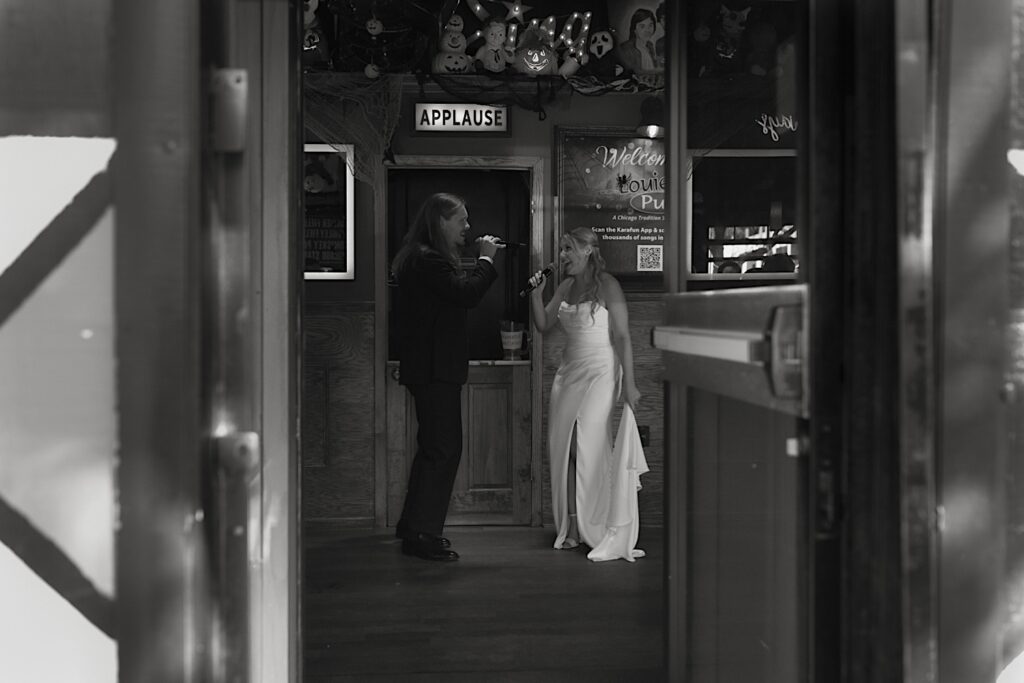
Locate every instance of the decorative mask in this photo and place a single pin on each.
(601, 43)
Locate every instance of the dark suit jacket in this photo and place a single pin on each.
(433, 298)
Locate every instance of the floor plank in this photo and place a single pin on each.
(512, 609)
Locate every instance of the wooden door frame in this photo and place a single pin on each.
(540, 252)
(156, 196)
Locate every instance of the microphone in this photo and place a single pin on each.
(546, 273)
(503, 244)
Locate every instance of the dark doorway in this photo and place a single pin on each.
(498, 202)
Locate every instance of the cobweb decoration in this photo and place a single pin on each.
(344, 108)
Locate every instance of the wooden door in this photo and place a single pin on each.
(495, 478)
(751, 365)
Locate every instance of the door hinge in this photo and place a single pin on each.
(229, 109)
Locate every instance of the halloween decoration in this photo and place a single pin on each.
(534, 57)
(374, 27)
(451, 57)
(495, 54)
(455, 23)
(516, 11)
(727, 40)
(603, 61)
(315, 49)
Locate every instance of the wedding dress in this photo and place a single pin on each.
(583, 395)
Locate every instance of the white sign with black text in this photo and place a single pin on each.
(451, 117)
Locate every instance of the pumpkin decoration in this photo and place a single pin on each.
(451, 57)
(533, 56)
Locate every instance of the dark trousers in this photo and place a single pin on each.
(438, 452)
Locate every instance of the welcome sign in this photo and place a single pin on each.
(451, 117)
(613, 182)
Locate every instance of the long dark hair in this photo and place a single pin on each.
(637, 17)
(425, 232)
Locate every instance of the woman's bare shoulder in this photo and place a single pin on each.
(611, 290)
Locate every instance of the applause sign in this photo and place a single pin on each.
(614, 183)
(460, 118)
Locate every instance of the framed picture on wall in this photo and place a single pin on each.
(612, 180)
(328, 219)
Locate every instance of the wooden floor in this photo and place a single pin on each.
(512, 609)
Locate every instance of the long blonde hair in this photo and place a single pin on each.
(579, 239)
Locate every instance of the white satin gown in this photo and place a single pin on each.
(583, 396)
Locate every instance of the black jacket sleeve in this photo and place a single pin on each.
(442, 279)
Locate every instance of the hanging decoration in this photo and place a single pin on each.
(516, 11)
(507, 40)
(315, 47)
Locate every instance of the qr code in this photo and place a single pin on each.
(648, 257)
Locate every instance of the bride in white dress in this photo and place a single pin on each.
(593, 482)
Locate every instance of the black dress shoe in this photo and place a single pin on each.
(427, 547)
(413, 536)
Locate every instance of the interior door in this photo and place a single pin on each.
(494, 484)
(751, 522)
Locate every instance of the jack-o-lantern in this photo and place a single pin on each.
(534, 57)
(451, 63)
(451, 57)
(374, 26)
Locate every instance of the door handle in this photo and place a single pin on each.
(786, 351)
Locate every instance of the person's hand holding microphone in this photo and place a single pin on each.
(489, 245)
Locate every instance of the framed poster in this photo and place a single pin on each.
(328, 218)
(612, 181)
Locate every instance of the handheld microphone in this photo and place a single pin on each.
(503, 244)
(546, 273)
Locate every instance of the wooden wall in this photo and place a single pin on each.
(337, 413)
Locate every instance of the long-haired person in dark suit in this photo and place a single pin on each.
(434, 295)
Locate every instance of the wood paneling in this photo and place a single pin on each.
(743, 553)
(337, 414)
(493, 484)
(645, 311)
